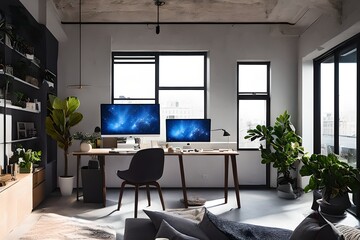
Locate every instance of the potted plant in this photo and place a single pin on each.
(333, 178)
(25, 158)
(62, 117)
(282, 148)
(87, 140)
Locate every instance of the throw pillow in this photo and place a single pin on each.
(241, 231)
(349, 232)
(210, 229)
(182, 225)
(316, 227)
(167, 231)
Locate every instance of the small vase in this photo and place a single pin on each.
(85, 147)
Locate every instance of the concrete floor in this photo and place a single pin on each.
(261, 207)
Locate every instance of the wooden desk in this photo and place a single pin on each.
(101, 153)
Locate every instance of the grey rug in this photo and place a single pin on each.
(54, 226)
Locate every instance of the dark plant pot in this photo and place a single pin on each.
(335, 206)
(286, 191)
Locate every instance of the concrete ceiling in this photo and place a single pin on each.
(295, 13)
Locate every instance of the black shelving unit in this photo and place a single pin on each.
(33, 77)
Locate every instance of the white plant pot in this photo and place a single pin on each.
(85, 147)
(66, 185)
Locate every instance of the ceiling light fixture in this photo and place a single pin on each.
(80, 85)
(158, 3)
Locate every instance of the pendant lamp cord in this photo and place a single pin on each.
(80, 83)
(158, 3)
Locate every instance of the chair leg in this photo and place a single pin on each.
(148, 194)
(121, 194)
(160, 194)
(136, 200)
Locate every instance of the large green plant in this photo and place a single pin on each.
(62, 117)
(282, 145)
(329, 174)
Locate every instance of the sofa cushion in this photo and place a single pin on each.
(132, 226)
(244, 231)
(167, 231)
(210, 229)
(182, 225)
(316, 227)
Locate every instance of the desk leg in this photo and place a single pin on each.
(78, 158)
(226, 179)
(236, 179)
(102, 170)
(182, 174)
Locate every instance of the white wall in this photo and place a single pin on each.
(225, 44)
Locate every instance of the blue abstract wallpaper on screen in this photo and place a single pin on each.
(188, 130)
(130, 119)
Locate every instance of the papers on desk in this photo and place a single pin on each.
(122, 150)
(206, 150)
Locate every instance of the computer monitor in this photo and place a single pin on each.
(127, 120)
(188, 130)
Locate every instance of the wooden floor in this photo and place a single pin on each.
(261, 207)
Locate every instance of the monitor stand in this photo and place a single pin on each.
(130, 140)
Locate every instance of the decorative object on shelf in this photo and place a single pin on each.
(282, 148)
(31, 80)
(9, 69)
(18, 99)
(49, 78)
(333, 178)
(25, 158)
(62, 117)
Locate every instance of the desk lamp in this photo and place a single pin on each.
(225, 134)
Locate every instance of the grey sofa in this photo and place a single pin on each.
(211, 227)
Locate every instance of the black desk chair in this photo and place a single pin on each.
(145, 169)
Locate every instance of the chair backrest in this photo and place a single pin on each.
(147, 165)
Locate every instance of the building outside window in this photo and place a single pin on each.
(253, 99)
(175, 80)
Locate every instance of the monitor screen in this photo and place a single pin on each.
(130, 119)
(188, 130)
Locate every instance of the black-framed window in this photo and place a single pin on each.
(176, 80)
(253, 99)
(336, 103)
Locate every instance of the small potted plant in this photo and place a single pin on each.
(282, 149)
(333, 178)
(25, 158)
(87, 140)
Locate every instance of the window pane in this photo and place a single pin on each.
(251, 114)
(252, 78)
(179, 71)
(134, 81)
(347, 105)
(327, 106)
(180, 104)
